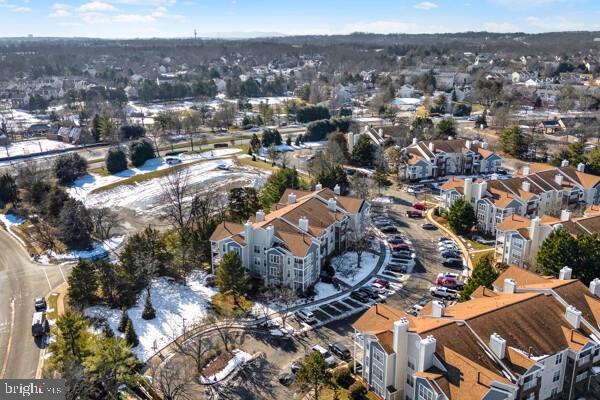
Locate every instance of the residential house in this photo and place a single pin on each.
(549, 126)
(533, 338)
(538, 189)
(438, 158)
(289, 245)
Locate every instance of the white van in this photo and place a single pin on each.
(327, 356)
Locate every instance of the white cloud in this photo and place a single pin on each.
(145, 2)
(20, 9)
(97, 6)
(134, 18)
(425, 5)
(383, 26)
(61, 10)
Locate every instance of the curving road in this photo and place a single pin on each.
(21, 280)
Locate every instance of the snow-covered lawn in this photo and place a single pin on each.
(98, 251)
(83, 186)
(177, 306)
(346, 266)
(148, 196)
(239, 358)
(32, 147)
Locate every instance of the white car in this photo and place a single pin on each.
(327, 356)
(440, 291)
(173, 160)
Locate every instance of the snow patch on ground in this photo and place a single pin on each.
(346, 267)
(177, 306)
(99, 250)
(32, 147)
(239, 358)
(383, 200)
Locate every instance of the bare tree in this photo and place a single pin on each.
(195, 349)
(104, 220)
(173, 382)
(360, 242)
(286, 297)
(273, 154)
(360, 185)
(45, 235)
(224, 329)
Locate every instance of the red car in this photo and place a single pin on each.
(383, 283)
(449, 280)
(420, 206)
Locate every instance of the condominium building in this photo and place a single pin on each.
(289, 245)
(537, 190)
(437, 158)
(519, 239)
(532, 338)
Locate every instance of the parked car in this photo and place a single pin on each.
(360, 296)
(416, 310)
(382, 282)
(420, 206)
(403, 255)
(306, 316)
(39, 304)
(388, 229)
(449, 280)
(327, 356)
(340, 350)
(452, 263)
(396, 268)
(39, 324)
(429, 227)
(379, 289)
(446, 293)
(286, 379)
(173, 160)
(414, 214)
(450, 254)
(295, 367)
(445, 239)
(369, 292)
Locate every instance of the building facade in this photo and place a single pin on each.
(289, 245)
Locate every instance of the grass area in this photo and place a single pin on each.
(329, 394)
(472, 244)
(475, 257)
(258, 164)
(100, 171)
(52, 301)
(199, 142)
(225, 306)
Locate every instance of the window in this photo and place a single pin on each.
(411, 364)
(424, 393)
(410, 380)
(377, 372)
(556, 376)
(559, 358)
(257, 249)
(554, 392)
(275, 259)
(377, 356)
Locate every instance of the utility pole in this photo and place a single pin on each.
(195, 35)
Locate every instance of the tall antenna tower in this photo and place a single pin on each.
(195, 35)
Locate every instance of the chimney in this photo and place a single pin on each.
(485, 145)
(367, 128)
(332, 204)
(498, 345)
(318, 186)
(380, 131)
(581, 167)
(426, 352)
(337, 189)
(526, 186)
(248, 231)
(292, 198)
(437, 309)
(468, 189)
(401, 350)
(494, 177)
(565, 215)
(415, 141)
(510, 286)
(595, 287)
(480, 189)
(431, 147)
(526, 170)
(558, 178)
(260, 216)
(573, 317)
(565, 273)
(564, 163)
(468, 144)
(303, 223)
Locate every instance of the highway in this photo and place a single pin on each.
(21, 280)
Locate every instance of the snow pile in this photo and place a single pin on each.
(32, 147)
(11, 220)
(99, 250)
(239, 358)
(346, 267)
(383, 200)
(177, 307)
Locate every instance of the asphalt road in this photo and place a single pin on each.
(21, 281)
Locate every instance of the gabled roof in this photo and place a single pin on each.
(453, 183)
(226, 229)
(378, 318)
(513, 222)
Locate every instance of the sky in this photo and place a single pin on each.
(226, 18)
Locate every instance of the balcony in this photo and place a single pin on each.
(531, 384)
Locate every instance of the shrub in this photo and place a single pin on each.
(343, 377)
(140, 152)
(123, 322)
(69, 167)
(130, 336)
(148, 312)
(75, 225)
(116, 161)
(357, 391)
(132, 131)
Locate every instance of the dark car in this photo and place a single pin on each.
(340, 350)
(402, 255)
(414, 214)
(452, 263)
(451, 254)
(369, 292)
(286, 379)
(360, 296)
(397, 268)
(429, 227)
(389, 229)
(39, 304)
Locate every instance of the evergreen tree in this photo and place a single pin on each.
(381, 177)
(116, 161)
(54, 202)
(484, 274)
(231, 276)
(446, 128)
(113, 364)
(363, 152)
(558, 250)
(83, 284)
(140, 151)
(512, 141)
(276, 184)
(8, 190)
(243, 202)
(334, 176)
(461, 217)
(288, 141)
(593, 161)
(255, 143)
(314, 372)
(69, 167)
(574, 153)
(96, 122)
(75, 225)
(124, 321)
(130, 336)
(72, 339)
(149, 312)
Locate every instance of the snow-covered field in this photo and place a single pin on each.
(346, 270)
(32, 147)
(177, 306)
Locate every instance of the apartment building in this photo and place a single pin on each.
(537, 190)
(289, 245)
(437, 158)
(533, 338)
(519, 239)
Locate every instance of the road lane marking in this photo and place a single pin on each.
(10, 336)
(47, 279)
(61, 272)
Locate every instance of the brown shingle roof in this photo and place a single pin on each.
(453, 183)
(226, 229)
(378, 318)
(513, 222)
(348, 203)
